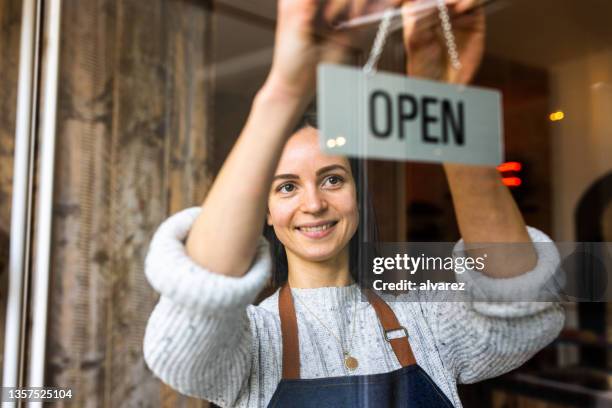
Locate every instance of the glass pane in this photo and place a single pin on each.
(153, 96)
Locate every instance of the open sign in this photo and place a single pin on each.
(388, 116)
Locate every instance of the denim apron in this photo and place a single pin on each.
(407, 387)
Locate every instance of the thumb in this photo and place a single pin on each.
(418, 22)
(409, 19)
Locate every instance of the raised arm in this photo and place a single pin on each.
(223, 237)
(209, 263)
(479, 340)
(486, 211)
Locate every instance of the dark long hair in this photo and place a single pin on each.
(367, 230)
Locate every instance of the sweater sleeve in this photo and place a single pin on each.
(198, 338)
(481, 340)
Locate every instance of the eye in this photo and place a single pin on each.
(333, 181)
(286, 188)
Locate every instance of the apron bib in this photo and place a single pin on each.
(407, 387)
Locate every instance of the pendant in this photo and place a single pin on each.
(350, 362)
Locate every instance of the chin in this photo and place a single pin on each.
(319, 254)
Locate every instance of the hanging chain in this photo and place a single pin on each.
(383, 32)
(447, 28)
(379, 42)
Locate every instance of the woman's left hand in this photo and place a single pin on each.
(426, 47)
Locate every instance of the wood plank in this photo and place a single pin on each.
(131, 148)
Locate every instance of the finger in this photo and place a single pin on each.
(295, 12)
(409, 18)
(336, 11)
(379, 5)
(461, 6)
(357, 8)
(418, 26)
(425, 55)
(470, 21)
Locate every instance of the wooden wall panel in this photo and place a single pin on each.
(10, 26)
(132, 148)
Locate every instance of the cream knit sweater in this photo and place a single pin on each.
(206, 340)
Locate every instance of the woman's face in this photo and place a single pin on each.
(313, 202)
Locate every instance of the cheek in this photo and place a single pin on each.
(354, 217)
(279, 214)
(348, 207)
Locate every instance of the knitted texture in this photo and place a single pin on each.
(206, 340)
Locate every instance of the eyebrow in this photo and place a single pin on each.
(322, 170)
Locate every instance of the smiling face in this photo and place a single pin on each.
(313, 202)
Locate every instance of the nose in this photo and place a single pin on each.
(313, 201)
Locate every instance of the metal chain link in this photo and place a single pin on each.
(447, 28)
(379, 42)
(383, 32)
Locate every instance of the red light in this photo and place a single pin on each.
(512, 181)
(509, 166)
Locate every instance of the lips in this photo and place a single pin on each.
(317, 230)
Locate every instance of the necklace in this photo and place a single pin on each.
(350, 362)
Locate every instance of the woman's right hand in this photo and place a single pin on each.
(305, 36)
(224, 237)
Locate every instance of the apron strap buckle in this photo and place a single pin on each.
(387, 331)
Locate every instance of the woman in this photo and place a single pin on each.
(204, 337)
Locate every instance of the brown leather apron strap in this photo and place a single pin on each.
(388, 320)
(289, 330)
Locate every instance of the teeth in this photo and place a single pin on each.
(319, 228)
